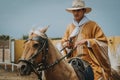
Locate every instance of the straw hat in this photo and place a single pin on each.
(78, 4)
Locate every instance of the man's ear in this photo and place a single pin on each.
(84, 10)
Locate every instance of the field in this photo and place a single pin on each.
(14, 75)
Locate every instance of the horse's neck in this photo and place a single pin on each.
(60, 71)
(53, 53)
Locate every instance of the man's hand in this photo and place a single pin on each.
(68, 44)
(81, 42)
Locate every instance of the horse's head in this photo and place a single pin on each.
(33, 51)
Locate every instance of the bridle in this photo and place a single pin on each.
(42, 48)
(43, 65)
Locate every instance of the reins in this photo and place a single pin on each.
(59, 60)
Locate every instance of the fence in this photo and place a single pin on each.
(10, 52)
(7, 53)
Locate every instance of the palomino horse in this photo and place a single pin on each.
(39, 51)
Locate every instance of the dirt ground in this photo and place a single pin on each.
(14, 75)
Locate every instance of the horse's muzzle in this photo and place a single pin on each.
(24, 69)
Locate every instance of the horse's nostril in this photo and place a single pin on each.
(23, 69)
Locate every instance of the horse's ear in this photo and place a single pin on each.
(43, 30)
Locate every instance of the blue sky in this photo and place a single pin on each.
(18, 17)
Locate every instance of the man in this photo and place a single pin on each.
(90, 41)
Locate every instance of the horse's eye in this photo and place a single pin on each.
(36, 45)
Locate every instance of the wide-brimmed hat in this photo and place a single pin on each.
(78, 4)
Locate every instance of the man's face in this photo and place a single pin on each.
(78, 14)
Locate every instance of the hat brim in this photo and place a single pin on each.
(71, 9)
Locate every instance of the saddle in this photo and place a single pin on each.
(82, 68)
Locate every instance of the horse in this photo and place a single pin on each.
(40, 54)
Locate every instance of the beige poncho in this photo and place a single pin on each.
(97, 52)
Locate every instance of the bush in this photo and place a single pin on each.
(4, 37)
(25, 37)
